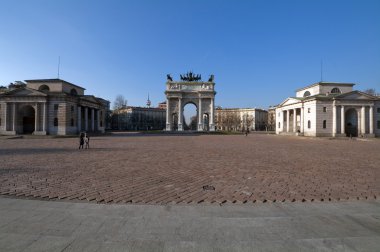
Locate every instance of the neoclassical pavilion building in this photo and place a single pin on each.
(50, 106)
(329, 109)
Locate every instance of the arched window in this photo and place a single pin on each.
(44, 88)
(73, 91)
(306, 94)
(335, 91)
(324, 124)
(55, 122)
(308, 124)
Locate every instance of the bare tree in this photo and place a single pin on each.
(119, 102)
(370, 91)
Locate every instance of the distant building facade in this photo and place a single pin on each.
(50, 107)
(271, 121)
(329, 109)
(138, 118)
(239, 119)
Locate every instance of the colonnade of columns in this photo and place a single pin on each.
(361, 119)
(10, 119)
(89, 123)
(294, 128)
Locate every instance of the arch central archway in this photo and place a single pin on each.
(27, 115)
(190, 116)
(190, 90)
(351, 124)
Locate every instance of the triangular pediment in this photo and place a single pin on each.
(90, 98)
(289, 101)
(24, 92)
(356, 95)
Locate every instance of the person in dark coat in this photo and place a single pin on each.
(81, 140)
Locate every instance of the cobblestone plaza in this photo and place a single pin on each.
(191, 169)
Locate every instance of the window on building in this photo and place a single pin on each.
(279, 125)
(55, 106)
(101, 123)
(378, 110)
(72, 109)
(279, 114)
(55, 122)
(378, 124)
(308, 110)
(308, 124)
(73, 92)
(335, 91)
(324, 109)
(306, 94)
(324, 124)
(72, 122)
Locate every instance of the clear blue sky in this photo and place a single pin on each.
(259, 51)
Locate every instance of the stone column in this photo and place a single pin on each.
(92, 120)
(334, 119)
(44, 119)
(36, 118)
(342, 120)
(79, 124)
(85, 118)
(167, 115)
(180, 128)
(287, 120)
(98, 121)
(200, 117)
(212, 126)
(14, 117)
(371, 120)
(362, 119)
(5, 116)
(294, 120)
(302, 122)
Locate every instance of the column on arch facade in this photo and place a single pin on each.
(168, 128)
(212, 127)
(200, 116)
(180, 127)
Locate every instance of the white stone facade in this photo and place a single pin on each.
(51, 107)
(329, 109)
(199, 93)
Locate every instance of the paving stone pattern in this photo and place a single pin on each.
(167, 169)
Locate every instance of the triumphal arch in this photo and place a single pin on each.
(190, 89)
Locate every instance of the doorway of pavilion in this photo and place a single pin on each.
(190, 117)
(27, 114)
(351, 124)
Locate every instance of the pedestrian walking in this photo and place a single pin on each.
(81, 140)
(87, 141)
